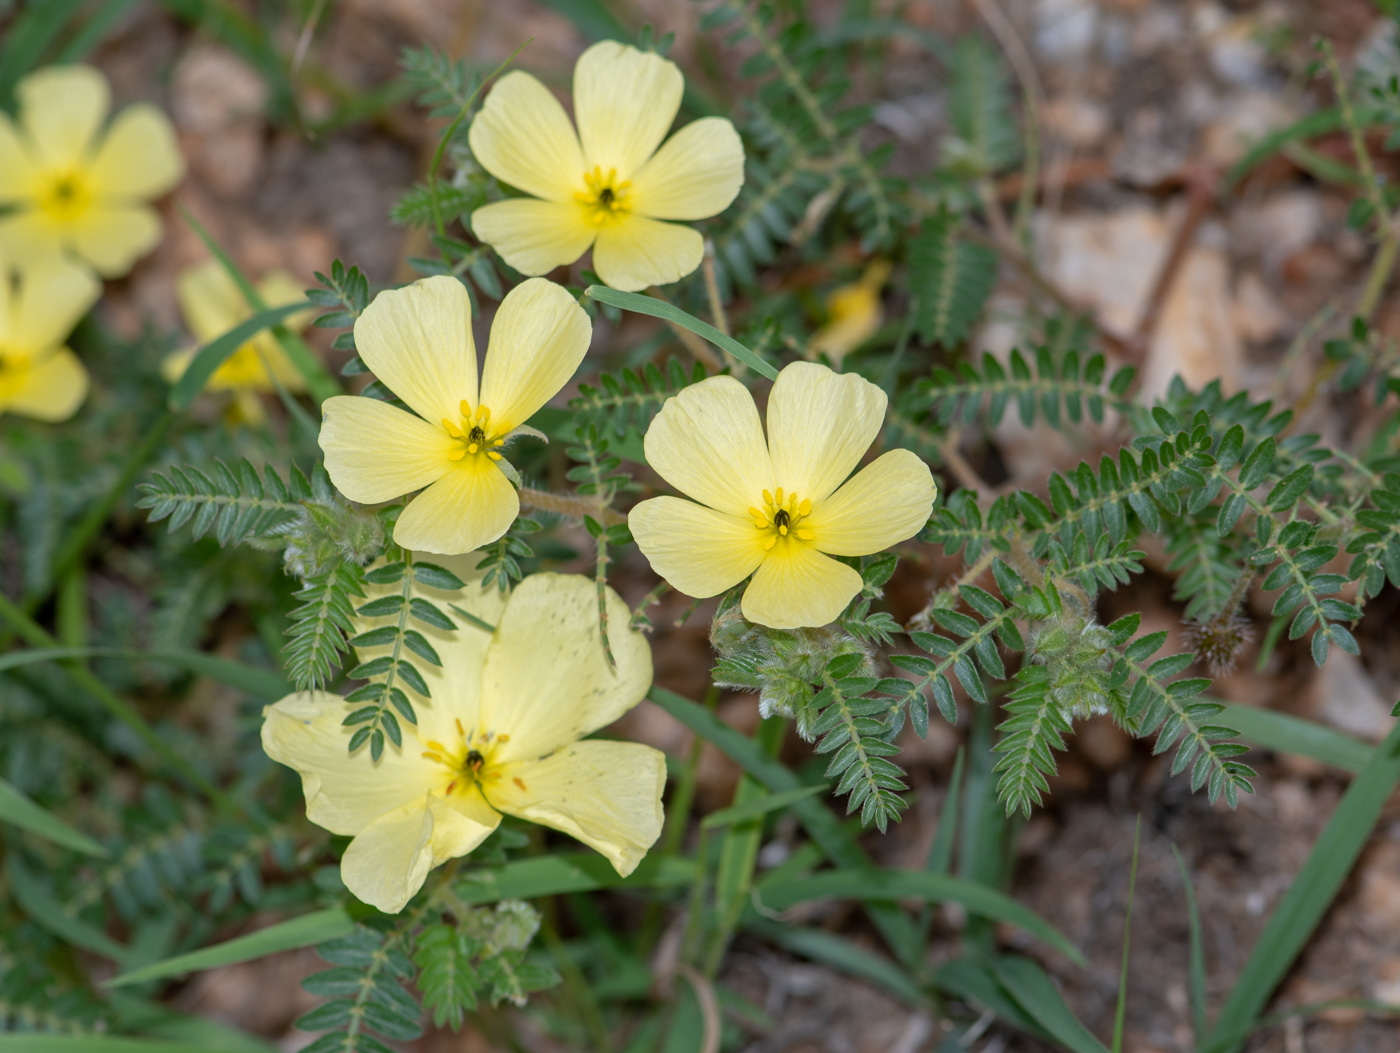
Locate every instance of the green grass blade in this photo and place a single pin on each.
(289, 935)
(1307, 899)
(762, 806)
(319, 381)
(38, 903)
(568, 872)
(1120, 1014)
(1285, 734)
(17, 809)
(1196, 976)
(940, 852)
(974, 983)
(28, 37)
(649, 305)
(1037, 995)
(260, 683)
(28, 1042)
(212, 355)
(888, 883)
(842, 954)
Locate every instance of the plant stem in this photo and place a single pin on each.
(571, 506)
(707, 266)
(33, 634)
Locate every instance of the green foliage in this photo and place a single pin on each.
(986, 139)
(631, 399)
(949, 280)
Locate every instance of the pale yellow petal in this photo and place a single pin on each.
(547, 683)
(796, 585)
(61, 108)
(471, 505)
(538, 338)
(636, 252)
(455, 686)
(173, 365)
(624, 102)
(209, 300)
(523, 137)
(344, 792)
(33, 237)
(697, 173)
(820, 424)
(605, 794)
(18, 176)
(707, 442)
(49, 388)
(418, 341)
(113, 237)
(534, 236)
(279, 287)
(699, 551)
(52, 299)
(389, 860)
(138, 157)
(886, 502)
(376, 452)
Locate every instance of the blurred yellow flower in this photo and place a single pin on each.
(39, 377)
(608, 186)
(418, 341)
(854, 314)
(500, 734)
(777, 509)
(74, 188)
(212, 304)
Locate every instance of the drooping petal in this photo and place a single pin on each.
(61, 108)
(50, 388)
(471, 505)
(389, 860)
(376, 452)
(418, 341)
(534, 236)
(113, 237)
(605, 794)
(820, 424)
(344, 792)
(707, 442)
(456, 684)
(695, 174)
(33, 237)
(699, 551)
(547, 682)
(886, 502)
(138, 157)
(209, 300)
(523, 137)
(18, 176)
(52, 298)
(624, 102)
(636, 252)
(796, 585)
(279, 287)
(538, 338)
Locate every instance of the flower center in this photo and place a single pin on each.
(475, 435)
(470, 764)
(779, 518)
(65, 195)
(605, 200)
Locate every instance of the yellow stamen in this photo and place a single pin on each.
(806, 535)
(782, 530)
(805, 508)
(493, 455)
(767, 545)
(768, 498)
(460, 731)
(472, 447)
(466, 409)
(779, 501)
(452, 429)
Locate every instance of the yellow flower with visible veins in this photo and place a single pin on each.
(779, 509)
(75, 189)
(500, 734)
(212, 304)
(39, 377)
(855, 314)
(608, 186)
(418, 341)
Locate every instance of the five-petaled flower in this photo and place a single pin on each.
(39, 377)
(73, 189)
(777, 509)
(212, 304)
(608, 186)
(418, 341)
(500, 734)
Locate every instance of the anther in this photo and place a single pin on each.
(519, 783)
(457, 454)
(782, 530)
(452, 429)
(806, 535)
(779, 500)
(460, 730)
(805, 508)
(473, 448)
(466, 409)
(493, 455)
(768, 498)
(767, 545)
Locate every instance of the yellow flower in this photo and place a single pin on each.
(778, 508)
(500, 734)
(855, 314)
(212, 304)
(75, 188)
(418, 341)
(39, 377)
(607, 186)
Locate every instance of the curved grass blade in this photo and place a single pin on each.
(260, 683)
(213, 354)
(18, 810)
